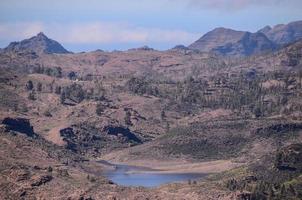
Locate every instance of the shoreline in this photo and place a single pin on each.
(175, 167)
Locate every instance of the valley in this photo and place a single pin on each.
(198, 123)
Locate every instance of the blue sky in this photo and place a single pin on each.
(121, 24)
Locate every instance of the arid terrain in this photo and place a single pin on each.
(228, 106)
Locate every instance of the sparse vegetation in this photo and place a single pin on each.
(179, 106)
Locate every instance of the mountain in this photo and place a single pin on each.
(284, 33)
(231, 42)
(249, 44)
(39, 44)
(239, 120)
(215, 38)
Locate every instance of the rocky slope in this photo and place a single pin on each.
(284, 33)
(33, 168)
(217, 37)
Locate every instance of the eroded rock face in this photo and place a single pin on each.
(91, 141)
(290, 158)
(40, 180)
(21, 125)
(279, 129)
(124, 132)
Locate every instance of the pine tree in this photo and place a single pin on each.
(39, 87)
(30, 85)
(62, 98)
(100, 108)
(128, 118)
(31, 96)
(58, 90)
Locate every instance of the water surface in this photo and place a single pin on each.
(126, 175)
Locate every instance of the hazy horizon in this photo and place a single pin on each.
(124, 24)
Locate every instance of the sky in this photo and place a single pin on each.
(86, 25)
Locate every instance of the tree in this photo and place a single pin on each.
(39, 87)
(75, 93)
(72, 75)
(58, 72)
(163, 115)
(31, 96)
(58, 90)
(62, 98)
(29, 85)
(300, 78)
(128, 118)
(100, 108)
(51, 85)
(258, 111)
(99, 91)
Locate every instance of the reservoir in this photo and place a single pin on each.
(126, 175)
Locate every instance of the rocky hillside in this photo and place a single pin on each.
(230, 42)
(32, 168)
(284, 33)
(217, 37)
(239, 43)
(38, 44)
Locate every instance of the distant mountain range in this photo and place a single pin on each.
(222, 41)
(231, 42)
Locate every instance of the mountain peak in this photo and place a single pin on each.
(217, 37)
(222, 29)
(39, 44)
(41, 35)
(265, 29)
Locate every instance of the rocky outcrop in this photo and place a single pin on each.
(121, 131)
(19, 125)
(91, 141)
(40, 180)
(180, 47)
(290, 158)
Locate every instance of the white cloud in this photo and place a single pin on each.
(240, 4)
(95, 33)
(15, 31)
